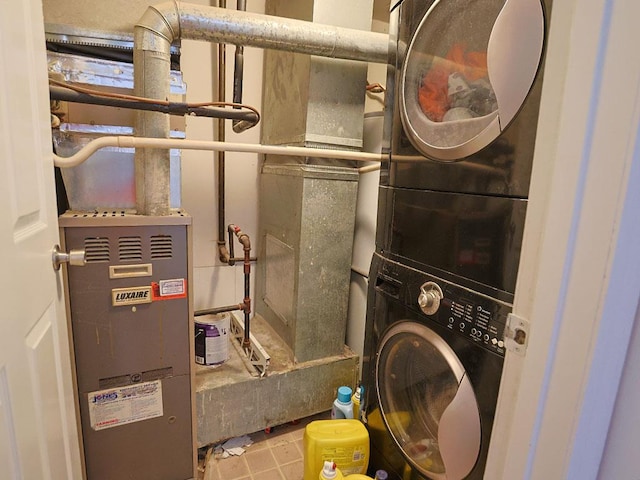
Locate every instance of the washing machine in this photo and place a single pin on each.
(463, 93)
(434, 377)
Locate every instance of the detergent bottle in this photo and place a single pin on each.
(356, 399)
(343, 441)
(330, 471)
(342, 405)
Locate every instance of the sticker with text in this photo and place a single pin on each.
(169, 289)
(130, 296)
(120, 406)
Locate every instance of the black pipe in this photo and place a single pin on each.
(239, 126)
(216, 310)
(223, 253)
(173, 108)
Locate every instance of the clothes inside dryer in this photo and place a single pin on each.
(456, 95)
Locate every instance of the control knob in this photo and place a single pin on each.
(429, 298)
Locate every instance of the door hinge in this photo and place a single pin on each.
(516, 334)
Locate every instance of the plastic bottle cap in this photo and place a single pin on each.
(381, 475)
(344, 394)
(329, 470)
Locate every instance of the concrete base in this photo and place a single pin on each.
(230, 401)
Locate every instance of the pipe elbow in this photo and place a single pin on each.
(245, 241)
(158, 27)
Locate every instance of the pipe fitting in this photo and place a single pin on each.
(163, 21)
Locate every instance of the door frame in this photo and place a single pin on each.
(579, 278)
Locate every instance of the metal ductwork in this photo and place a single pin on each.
(167, 22)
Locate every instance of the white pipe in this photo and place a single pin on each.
(369, 168)
(167, 143)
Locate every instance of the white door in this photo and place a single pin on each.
(38, 433)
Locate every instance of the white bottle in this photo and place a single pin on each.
(342, 406)
(330, 471)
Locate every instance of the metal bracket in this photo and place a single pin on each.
(516, 334)
(255, 357)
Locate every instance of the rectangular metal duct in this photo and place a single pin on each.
(310, 100)
(93, 22)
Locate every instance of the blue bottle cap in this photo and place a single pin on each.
(381, 475)
(344, 394)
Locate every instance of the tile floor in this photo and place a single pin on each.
(277, 455)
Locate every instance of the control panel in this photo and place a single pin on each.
(479, 319)
(475, 316)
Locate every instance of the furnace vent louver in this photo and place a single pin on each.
(161, 246)
(96, 249)
(130, 249)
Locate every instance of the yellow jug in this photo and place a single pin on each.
(343, 441)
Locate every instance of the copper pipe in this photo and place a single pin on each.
(245, 241)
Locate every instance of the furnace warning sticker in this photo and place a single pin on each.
(120, 406)
(169, 289)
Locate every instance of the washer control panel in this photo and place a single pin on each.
(480, 319)
(477, 317)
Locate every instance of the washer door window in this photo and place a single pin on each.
(467, 71)
(427, 402)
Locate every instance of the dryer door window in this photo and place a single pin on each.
(466, 73)
(427, 402)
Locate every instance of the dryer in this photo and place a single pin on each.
(463, 93)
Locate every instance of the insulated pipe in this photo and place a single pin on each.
(173, 108)
(162, 24)
(167, 143)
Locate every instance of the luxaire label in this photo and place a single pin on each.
(130, 296)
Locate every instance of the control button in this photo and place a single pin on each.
(473, 331)
(486, 337)
(451, 320)
(429, 298)
(494, 340)
(462, 325)
(500, 343)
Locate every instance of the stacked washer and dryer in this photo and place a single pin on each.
(463, 94)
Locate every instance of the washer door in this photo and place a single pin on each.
(467, 71)
(427, 402)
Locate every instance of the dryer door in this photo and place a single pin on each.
(467, 71)
(427, 402)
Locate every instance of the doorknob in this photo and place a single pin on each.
(74, 257)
